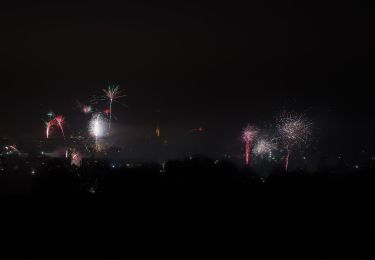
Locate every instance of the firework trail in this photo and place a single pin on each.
(263, 147)
(112, 94)
(60, 122)
(49, 126)
(248, 135)
(294, 131)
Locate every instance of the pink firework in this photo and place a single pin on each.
(60, 122)
(248, 135)
(76, 159)
(86, 109)
(106, 112)
(112, 94)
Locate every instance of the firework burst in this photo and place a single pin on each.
(60, 121)
(97, 127)
(86, 109)
(294, 131)
(113, 93)
(248, 135)
(263, 147)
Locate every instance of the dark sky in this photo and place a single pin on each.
(216, 65)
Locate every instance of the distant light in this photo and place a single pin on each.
(92, 189)
(162, 168)
(356, 166)
(157, 131)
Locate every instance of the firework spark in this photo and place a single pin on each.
(112, 94)
(248, 135)
(295, 131)
(97, 127)
(263, 147)
(49, 126)
(60, 120)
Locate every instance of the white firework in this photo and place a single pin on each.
(263, 147)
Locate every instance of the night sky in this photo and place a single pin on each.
(214, 65)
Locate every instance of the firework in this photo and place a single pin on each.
(112, 94)
(248, 135)
(86, 109)
(50, 115)
(199, 129)
(60, 120)
(97, 127)
(294, 131)
(76, 159)
(106, 112)
(263, 147)
(49, 126)
(14, 148)
(157, 130)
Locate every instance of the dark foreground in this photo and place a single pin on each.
(190, 210)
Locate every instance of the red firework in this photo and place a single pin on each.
(248, 136)
(60, 120)
(107, 111)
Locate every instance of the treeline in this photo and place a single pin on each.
(97, 177)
